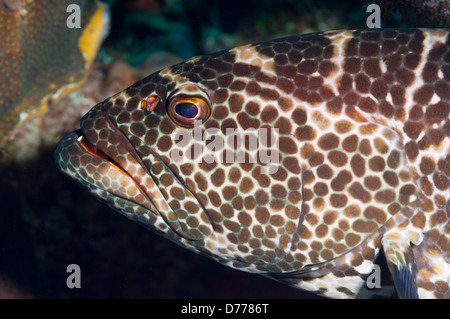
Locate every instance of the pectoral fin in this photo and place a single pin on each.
(402, 264)
(433, 264)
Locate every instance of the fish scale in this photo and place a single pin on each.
(356, 162)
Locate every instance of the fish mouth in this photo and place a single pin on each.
(104, 176)
(102, 158)
(94, 151)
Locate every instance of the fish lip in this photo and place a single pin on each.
(132, 150)
(91, 148)
(94, 151)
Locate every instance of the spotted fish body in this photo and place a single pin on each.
(361, 147)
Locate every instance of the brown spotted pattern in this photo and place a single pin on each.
(360, 153)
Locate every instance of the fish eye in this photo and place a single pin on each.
(185, 110)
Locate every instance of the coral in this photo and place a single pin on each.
(64, 115)
(41, 57)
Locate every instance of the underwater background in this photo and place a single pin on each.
(48, 222)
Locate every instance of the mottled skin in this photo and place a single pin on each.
(363, 147)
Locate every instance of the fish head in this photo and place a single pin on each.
(168, 153)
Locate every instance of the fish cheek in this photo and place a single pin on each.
(184, 212)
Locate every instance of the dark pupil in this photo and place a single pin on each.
(187, 110)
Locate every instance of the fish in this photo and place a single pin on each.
(311, 159)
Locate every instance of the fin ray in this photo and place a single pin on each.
(401, 263)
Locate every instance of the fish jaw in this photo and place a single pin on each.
(104, 178)
(102, 159)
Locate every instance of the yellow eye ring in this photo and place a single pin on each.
(185, 110)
